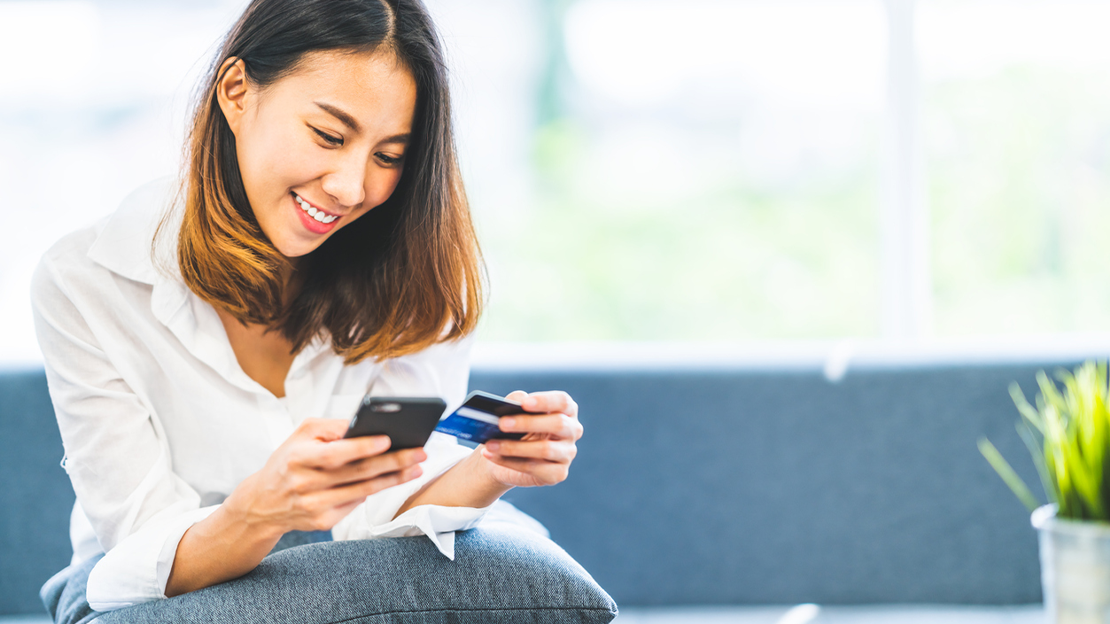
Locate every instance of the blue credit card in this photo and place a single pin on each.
(476, 419)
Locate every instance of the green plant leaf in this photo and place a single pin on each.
(1011, 478)
(1035, 450)
(1025, 409)
(1071, 452)
(1051, 394)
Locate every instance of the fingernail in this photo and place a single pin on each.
(420, 456)
(507, 422)
(493, 445)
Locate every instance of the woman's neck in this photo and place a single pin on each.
(292, 280)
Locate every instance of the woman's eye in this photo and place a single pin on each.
(389, 160)
(329, 139)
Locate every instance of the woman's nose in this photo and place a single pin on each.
(347, 183)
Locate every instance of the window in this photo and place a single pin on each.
(1016, 100)
(700, 171)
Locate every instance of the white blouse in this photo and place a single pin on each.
(160, 423)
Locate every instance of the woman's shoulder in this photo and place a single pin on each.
(67, 261)
(121, 242)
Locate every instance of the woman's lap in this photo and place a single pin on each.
(64, 594)
(502, 573)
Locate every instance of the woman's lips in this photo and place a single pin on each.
(310, 222)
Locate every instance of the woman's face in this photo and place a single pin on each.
(322, 146)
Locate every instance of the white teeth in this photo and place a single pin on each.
(311, 211)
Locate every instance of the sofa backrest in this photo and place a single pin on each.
(35, 495)
(711, 485)
(733, 486)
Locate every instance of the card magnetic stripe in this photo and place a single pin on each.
(477, 415)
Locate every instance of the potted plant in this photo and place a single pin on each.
(1068, 434)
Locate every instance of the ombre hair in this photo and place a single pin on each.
(401, 277)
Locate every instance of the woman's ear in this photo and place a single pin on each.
(232, 92)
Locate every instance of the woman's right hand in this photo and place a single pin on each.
(309, 483)
(314, 479)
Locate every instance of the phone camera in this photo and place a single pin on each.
(388, 408)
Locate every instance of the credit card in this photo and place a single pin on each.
(476, 419)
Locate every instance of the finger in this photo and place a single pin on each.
(549, 402)
(545, 472)
(340, 452)
(559, 425)
(372, 467)
(344, 494)
(322, 510)
(516, 396)
(550, 450)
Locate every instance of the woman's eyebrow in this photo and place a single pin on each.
(398, 138)
(352, 123)
(341, 115)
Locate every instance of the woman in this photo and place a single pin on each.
(206, 345)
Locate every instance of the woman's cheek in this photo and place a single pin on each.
(300, 165)
(382, 187)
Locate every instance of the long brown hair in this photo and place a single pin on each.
(406, 274)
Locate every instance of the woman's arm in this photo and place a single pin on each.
(309, 483)
(219, 548)
(469, 483)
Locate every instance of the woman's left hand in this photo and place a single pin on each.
(544, 454)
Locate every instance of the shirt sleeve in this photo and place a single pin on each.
(116, 452)
(441, 370)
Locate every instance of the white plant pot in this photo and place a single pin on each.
(1075, 568)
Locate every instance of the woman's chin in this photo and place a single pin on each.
(294, 249)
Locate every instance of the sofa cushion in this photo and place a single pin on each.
(501, 573)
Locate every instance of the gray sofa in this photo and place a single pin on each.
(715, 483)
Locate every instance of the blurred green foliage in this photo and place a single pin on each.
(1016, 162)
(730, 260)
(1019, 195)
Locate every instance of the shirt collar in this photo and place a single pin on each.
(124, 244)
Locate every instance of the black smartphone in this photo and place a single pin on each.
(408, 421)
(476, 419)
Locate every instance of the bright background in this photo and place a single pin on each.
(699, 172)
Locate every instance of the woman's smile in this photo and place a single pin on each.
(315, 220)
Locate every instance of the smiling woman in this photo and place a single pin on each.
(338, 169)
(206, 344)
(318, 137)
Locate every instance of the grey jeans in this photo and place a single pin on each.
(501, 573)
